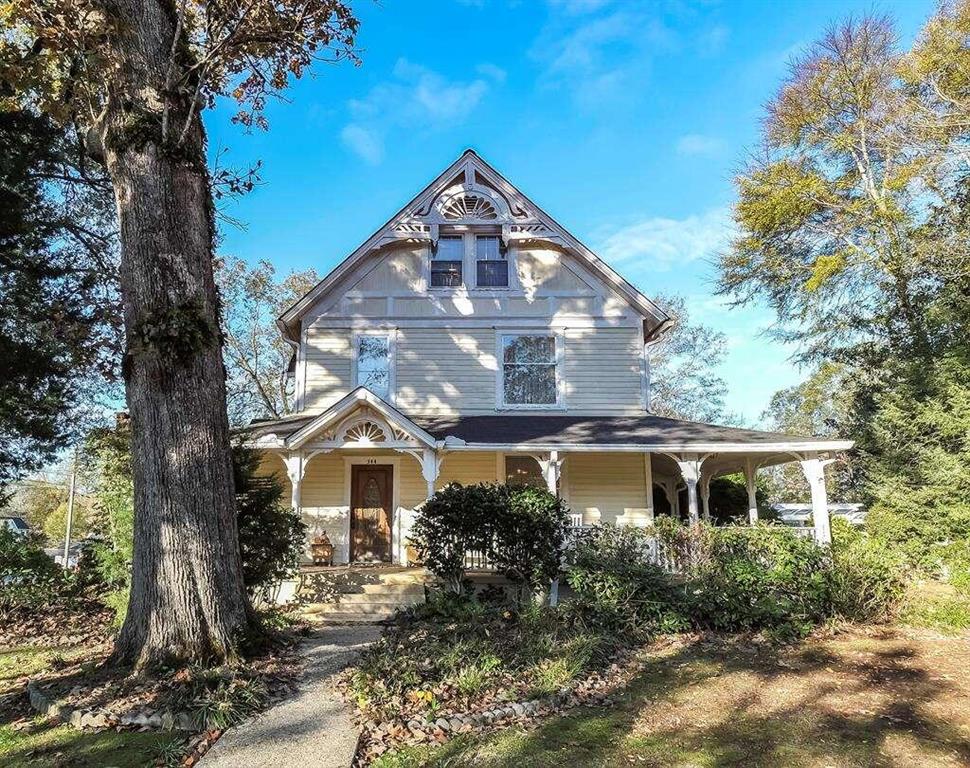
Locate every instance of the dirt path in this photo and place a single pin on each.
(311, 730)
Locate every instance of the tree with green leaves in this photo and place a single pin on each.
(259, 379)
(135, 75)
(853, 224)
(837, 209)
(59, 325)
(684, 382)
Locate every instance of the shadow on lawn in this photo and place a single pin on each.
(874, 703)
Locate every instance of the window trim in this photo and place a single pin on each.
(554, 333)
(504, 252)
(391, 336)
(463, 262)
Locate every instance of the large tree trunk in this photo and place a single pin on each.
(187, 599)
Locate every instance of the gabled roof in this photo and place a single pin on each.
(658, 319)
(344, 407)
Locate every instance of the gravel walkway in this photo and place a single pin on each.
(311, 730)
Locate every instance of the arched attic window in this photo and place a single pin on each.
(469, 206)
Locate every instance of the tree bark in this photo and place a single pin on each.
(187, 602)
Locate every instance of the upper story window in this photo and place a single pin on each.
(446, 261)
(492, 266)
(374, 363)
(529, 371)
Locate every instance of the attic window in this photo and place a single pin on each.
(446, 262)
(470, 207)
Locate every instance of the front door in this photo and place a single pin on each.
(370, 512)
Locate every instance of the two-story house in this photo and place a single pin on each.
(472, 338)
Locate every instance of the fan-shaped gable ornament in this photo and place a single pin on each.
(469, 206)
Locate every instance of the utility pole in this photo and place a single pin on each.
(70, 512)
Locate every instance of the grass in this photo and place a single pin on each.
(890, 697)
(933, 605)
(44, 743)
(48, 745)
(29, 660)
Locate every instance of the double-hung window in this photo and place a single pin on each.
(374, 363)
(446, 261)
(492, 266)
(529, 375)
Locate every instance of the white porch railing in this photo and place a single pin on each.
(656, 552)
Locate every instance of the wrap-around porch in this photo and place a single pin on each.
(361, 470)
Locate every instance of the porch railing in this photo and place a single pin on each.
(656, 552)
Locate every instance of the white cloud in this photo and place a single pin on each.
(416, 98)
(364, 142)
(600, 57)
(696, 144)
(661, 243)
(711, 41)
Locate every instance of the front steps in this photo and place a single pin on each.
(368, 595)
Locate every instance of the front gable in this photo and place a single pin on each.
(551, 273)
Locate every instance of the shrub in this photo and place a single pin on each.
(453, 521)
(271, 535)
(526, 537)
(618, 587)
(762, 577)
(519, 529)
(868, 579)
(28, 577)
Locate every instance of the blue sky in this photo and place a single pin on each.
(625, 121)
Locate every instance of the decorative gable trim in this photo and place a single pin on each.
(362, 418)
(471, 192)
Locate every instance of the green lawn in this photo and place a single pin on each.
(48, 744)
(889, 698)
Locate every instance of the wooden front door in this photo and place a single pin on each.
(370, 512)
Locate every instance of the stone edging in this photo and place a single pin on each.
(81, 719)
(597, 689)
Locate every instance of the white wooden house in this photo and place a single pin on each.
(471, 338)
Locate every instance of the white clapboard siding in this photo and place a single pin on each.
(467, 468)
(603, 371)
(445, 371)
(606, 487)
(327, 367)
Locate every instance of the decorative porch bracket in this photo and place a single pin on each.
(551, 466)
(430, 463)
(814, 469)
(296, 463)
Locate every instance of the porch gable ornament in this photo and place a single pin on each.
(321, 550)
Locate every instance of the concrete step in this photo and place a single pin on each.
(347, 618)
(383, 589)
(334, 609)
(360, 598)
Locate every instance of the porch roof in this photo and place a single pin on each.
(548, 432)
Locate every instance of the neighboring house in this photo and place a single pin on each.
(16, 524)
(472, 338)
(799, 515)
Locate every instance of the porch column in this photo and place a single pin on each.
(690, 469)
(430, 466)
(751, 482)
(295, 467)
(705, 489)
(648, 481)
(814, 469)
